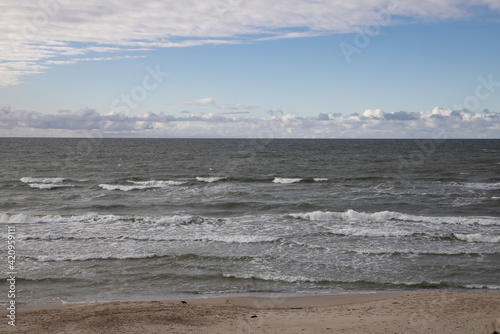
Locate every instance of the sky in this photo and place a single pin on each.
(250, 68)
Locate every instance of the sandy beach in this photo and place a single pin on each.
(412, 312)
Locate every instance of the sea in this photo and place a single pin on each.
(101, 219)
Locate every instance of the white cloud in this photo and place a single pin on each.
(75, 60)
(42, 33)
(377, 113)
(376, 124)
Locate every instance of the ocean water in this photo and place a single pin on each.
(137, 219)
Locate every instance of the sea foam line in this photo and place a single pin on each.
(140, 185)
(47, 180)
(45, 183)
(385, 216)
(210, 179)
(482, 186)
(477, 237)
(287, 180)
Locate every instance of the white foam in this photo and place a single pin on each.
(384, 216)
(48, 186)
(477, 237)
(120, 187)
(271, 277)
(316, 215)
(158, 184)
(22, 218)
(182, 219)
(19, 218)
(480, 286)
(48, 180)
(187, 220)
(307, 245)
(286, 180)
(94, 218)
(464, 201)
(349, 215)
(45, 183)
(406, 251)
(482, 186)
(240, 238)
(370, 232)
(320, 179)
(61, 258)
(210, 179)
(140, 185)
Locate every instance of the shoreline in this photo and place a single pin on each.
(242, 295)
(216, 296)
(386, 312)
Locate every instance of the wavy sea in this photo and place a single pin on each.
(146, 219)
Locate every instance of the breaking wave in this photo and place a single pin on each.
(45, 183)
(287, 180)
(385, 216)
(141, 185)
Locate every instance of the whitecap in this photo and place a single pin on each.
(477, 237)
(316, 215)
(22, 218)
(140, 185)
(482, 186)
(158, 184)
(48, 180)
(370, 232)
(18, 218)
(119, 187)
(384, 216)
(210, 179)
(49, 186)
(286, 180)
(45, 183)
(349, 215)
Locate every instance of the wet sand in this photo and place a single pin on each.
(412, 312)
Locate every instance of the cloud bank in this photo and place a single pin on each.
(438, 123)
(39, 34)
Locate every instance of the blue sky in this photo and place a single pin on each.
(239, 68)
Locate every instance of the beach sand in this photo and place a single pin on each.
(412, 312)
